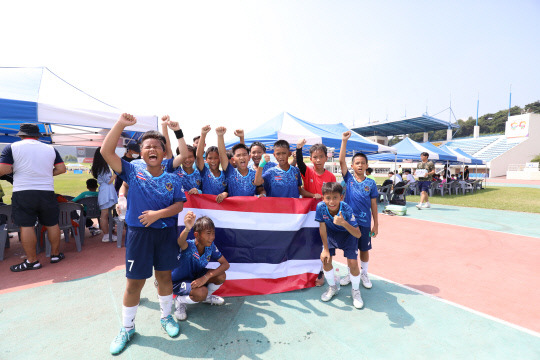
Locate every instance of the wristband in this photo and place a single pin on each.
(262, 163)
(179, 134)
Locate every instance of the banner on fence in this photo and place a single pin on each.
(272, 244)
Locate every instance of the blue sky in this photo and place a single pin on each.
(240, 63)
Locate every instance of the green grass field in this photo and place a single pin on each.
(493, 197)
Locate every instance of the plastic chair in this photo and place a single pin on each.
(8, 227)
(455, 186)
(384, 192)
(93, 212)
(65, 224)
(400, 192)
(433, 187)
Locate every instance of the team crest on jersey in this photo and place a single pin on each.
(163, 167)
(198, 182)
(168, 186)
(224, 183)
(367, 188)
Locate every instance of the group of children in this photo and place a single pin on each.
(157, 188)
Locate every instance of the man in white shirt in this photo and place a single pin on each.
(409, 178)
(33, 164)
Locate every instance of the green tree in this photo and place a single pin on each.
(533, 107)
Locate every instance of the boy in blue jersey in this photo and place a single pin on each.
(213, 179)
(155, 198)
(257, 150)
(283, 180)
(192, 281)
(361, 194)
(240, 180)
(338, 229)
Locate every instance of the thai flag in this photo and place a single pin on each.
(272, 244)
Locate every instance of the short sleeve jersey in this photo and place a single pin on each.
(358, 195)
(210, 184)
(281, 183)
(267, 166)
(147, 192)
(190, 263)
(238, 184)
(33, 163)
(189, 181)
(313, 182)
(428, 165)
(333, 231)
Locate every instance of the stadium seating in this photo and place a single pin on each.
(497, 149)
(471, 145)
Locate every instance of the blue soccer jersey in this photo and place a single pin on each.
(267, 166)
(337, 235)
(210, 184)
(281, 183)
(238, 184)
(190, 263)
(358, 195)
(189, 181)
(147, 192)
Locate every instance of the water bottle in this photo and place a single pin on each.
(122, 206)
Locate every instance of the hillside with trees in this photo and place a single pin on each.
(491, 123)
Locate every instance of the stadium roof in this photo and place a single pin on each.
(411, 125)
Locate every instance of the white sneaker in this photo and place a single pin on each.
(114, 238)
(105, 238)
(330, 292)
(180, 312)
(426, 205)
(357, 299)
(346, 280)
(419, 205)
(214, 300)
(365, 280)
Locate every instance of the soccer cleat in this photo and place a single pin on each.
(214, 300)
(357, 299)
(330, 292)
(346, 280)
(121, 340)
(365, 281)
(180, 312)
(170, 326)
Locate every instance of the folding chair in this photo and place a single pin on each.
(433, 187)
(65, 224)
(400, 192)
(384, 192)
(93, 212)
(8, 227)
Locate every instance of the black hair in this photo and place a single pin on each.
(99, 165)
(192, 149)
(425, 154)
(361, 155)
(152, 134)
(196, 138)
(407, 171)
(239, 146)
(332, 187)
(91, 184)
(212, 149)
(203, 223)
(283, 144)
(258, 143)
(229, 154)
(390, 172)
(318, 147)
(369, 170)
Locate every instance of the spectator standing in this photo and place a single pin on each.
(107, 196)
(466, 173)
(33, 164)
(424, 172)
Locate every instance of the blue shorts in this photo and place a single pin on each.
(364, 243)
(148, 249)
(183, 287)
(348, 246)
(424, 185)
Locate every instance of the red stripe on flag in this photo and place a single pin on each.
(252, 204)
(247, 287)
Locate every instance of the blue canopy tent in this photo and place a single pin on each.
(64, 114)
(288, 127)
(443, 155)
(467, 159)
(407, 149)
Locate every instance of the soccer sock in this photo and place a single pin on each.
(329, 276)
(185, 299)
(128, 316)
(364, 266)
(355, 281)
(165, 304)
(212, 288)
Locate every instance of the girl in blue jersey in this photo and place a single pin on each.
(213, 179)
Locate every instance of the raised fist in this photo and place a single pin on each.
(239, 132)
(300, 143)
(189, 219)
(205, 130)
(220, 131)
(346, 135)
(173, 125)
(127, 120)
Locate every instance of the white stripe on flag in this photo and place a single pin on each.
(254, 221)
(239, 271)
